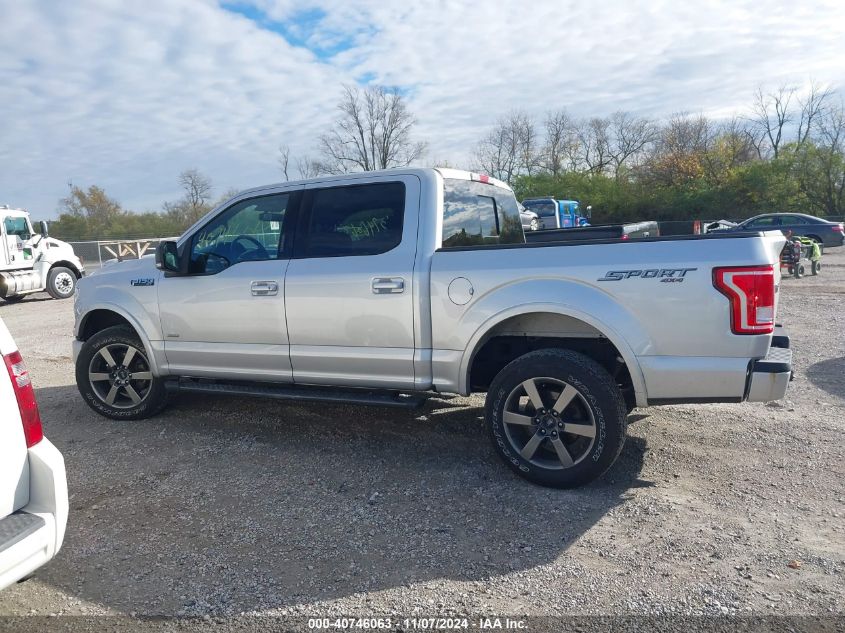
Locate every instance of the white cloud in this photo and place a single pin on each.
(125, 95)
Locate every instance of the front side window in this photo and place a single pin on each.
(355, 220)
(249, 230)
(479, 214)
(17, 226)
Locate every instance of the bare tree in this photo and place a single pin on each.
(631, 136)
(372, 132)
(812, 106)
(196, 201)
(509, 149)
(771, 114)
(308, 167)
(594, 137)
(197, 187)
(284, 160)
(558, 127)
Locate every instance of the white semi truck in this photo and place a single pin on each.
(32, 262)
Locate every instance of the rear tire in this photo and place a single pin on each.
(61, 282)
(114, 376)
(798, 271)
(817, 266)
(576, 430)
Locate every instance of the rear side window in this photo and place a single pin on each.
(792, 219)
(478, 214)
(357, 220)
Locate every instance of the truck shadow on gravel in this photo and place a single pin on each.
(827, 375)
(223, 506)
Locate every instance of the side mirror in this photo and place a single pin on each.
(588, 212)
(42, 227)
(167, 257)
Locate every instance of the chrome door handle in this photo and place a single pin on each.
(388, 285)
(264, 288)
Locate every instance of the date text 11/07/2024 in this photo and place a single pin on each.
(430, 624)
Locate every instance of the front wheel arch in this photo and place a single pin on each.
(102, 316)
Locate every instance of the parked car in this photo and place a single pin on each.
(531, 220)
(819, 230)
(383, 287)
(33, 488)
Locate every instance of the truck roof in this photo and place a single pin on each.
(445, 172)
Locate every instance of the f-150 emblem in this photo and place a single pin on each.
(664, 274)
(144, 281)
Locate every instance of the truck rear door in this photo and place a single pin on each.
(349, 288)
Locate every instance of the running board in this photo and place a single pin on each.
(279, 391)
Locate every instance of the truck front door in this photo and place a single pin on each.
(349, 288)
(226, 317)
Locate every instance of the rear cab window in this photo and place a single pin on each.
(479, 214)
(355, 220)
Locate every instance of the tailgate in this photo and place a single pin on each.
(14, 464)
(775, 242)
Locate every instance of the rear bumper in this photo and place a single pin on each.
(689, 380)
(769, 377)
(33, 535)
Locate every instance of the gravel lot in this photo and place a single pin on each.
(224, 506)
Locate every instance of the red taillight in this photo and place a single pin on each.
(26, 398)
(838, 228)
(751, 290)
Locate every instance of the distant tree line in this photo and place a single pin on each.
(786, 154)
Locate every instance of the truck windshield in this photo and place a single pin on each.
(543, 208)
(479, 214)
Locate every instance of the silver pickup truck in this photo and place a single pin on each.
(386, 287)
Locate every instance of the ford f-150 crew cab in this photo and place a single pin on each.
(384, 287)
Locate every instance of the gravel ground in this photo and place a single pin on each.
(224, 507)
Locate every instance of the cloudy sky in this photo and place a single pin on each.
(125, 95)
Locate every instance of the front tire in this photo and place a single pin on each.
(114, 376)
(817, 266)
(61, 282)
(535, 224)
(556, 418)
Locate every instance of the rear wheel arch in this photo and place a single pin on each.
(815, 238)
(595, 339)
